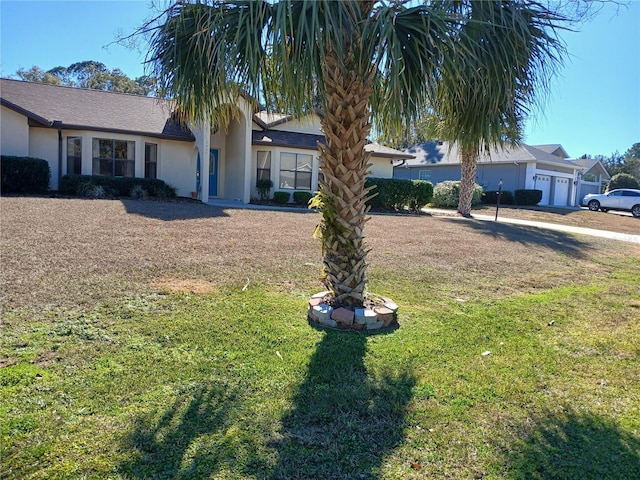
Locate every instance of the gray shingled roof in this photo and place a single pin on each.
(84, 109)
(438, 153)
(308, 141)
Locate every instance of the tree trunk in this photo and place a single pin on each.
(344, 164)
(468, 160)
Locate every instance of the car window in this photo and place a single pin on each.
(615, 193)
(629, 193)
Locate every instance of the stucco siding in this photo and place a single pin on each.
(176, 165)
(234, 162)
(14, 134)
(43, 143)
(381, 167)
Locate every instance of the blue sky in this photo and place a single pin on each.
(593, 106)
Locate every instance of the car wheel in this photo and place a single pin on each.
(594, 205)
(635, 211)
(605, 210)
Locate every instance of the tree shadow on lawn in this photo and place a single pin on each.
(170, 211)
(575, 445)
(343, 422)
(553, 239)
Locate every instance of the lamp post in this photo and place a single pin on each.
(498, 202)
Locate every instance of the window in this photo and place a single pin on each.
(295, 171)
(113, 157)
(629, 193)
(424, 175)
(150, 160)
(74, 155)
(264, 166)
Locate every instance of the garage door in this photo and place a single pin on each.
(543, 182)
(561, 192)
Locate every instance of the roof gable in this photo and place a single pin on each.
(85, 109)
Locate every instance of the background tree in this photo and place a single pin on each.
(514, 50)
(366, 61)
(623, 180)
(90, 74)
(616, 163)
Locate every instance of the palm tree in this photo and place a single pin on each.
(514, 51)
(367, 61)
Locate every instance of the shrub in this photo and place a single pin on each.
(527, 197)
(281, 197)
(302, 198)
(491, 197)
(447, 194)
(394, 194)
(264, 186)
(24, 175)
(622, 180)
(115, 186)
(138, 191)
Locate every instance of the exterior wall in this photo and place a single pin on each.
(14, 134)
(234, 162)
(487, 175)
(381, 167)
(176, 160)
(176, 164)
(219, 142)
(43, 143)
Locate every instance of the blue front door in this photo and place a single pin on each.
(213, 173)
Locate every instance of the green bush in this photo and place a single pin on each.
(302, 198)
(394, 194)
(491, 197)
(623, 180)
(447, 194)
(281, 197)
(264, 186)
(527, 197)
(24, 175)
(85, 186)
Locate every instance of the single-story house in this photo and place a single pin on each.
(92, 132)
(592, 179)
(542, 167)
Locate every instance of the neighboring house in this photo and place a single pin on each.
(592, 179)
(93, 132)
(543, 167)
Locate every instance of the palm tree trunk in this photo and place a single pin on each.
(468, 160)
(344, 164)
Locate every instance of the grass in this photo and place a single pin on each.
(131, 349)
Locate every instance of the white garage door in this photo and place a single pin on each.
(543, 182)
(561, 192)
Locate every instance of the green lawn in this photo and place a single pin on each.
(235, 384)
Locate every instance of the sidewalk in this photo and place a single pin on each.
(624, 237)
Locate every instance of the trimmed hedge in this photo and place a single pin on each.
(491, 197)
(527, 197)
(447, 194)
(302, 198)
(87, 185)
(281, 197)
(394, 194)
(24, 175)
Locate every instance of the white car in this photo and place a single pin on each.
(626, 199)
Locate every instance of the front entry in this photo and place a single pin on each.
(213, 173)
